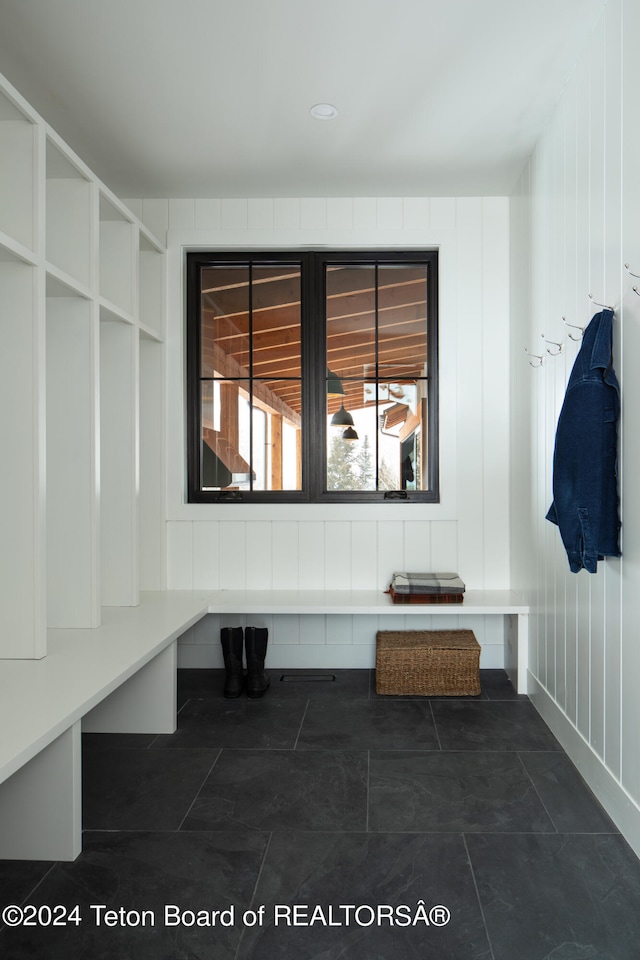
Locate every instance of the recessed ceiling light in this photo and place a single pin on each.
(323, 111)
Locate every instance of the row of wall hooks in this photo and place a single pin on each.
(536, 359)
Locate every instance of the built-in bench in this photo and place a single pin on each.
(477, 603)
(117, 678)
(121, 678)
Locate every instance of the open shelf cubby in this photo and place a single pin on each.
(118, 257)
(22, 479)
(70, 241)
(151, 286)
(73, 598)
(18, 184)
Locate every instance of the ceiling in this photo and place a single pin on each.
(211, 98)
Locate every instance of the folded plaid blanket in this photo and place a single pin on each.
(428, 598)
(427, 583)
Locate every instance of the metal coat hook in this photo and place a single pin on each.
(552, 353)
(536, 357)
(632, 274)
(574, 326)
(603, 305)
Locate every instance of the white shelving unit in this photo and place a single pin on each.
(82, 319)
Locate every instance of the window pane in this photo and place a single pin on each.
(402, 435)
(275, 320)
(225, 461)
(225, 321)
(402, 320)
(351, 318)
(277, 443)
(351, 453)
(251, 439)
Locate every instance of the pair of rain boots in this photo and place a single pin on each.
(254, 641)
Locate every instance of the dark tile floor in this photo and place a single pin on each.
(324, 821)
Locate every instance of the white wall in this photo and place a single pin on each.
(256, 546)
(575, 222)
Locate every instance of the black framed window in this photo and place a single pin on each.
(312, 376)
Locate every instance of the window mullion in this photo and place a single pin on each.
(313, 384)
(377, 359)
(250, 308)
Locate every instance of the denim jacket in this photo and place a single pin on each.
(585, 468)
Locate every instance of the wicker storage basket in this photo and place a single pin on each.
(428, 663)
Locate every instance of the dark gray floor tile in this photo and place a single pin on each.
(265, 723)
(453, 792)
(558, 897)
(283, 790)
(496, 685)
(367, 725)
(18, 878)
(143, 872)
(333, 870)
(491, 725)
(199, 683)
(568, 800)
(141, 789)
(124, 741)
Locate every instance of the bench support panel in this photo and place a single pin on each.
(145, 703)
(516, 650)
(40, 805)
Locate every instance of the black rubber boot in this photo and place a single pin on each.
(255, 642)
(231, 640)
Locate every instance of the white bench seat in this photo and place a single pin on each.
(121, 678)
(506, 603)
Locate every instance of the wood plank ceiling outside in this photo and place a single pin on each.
(276, 329)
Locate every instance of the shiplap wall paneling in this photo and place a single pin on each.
(470, 452)
(22, 505)
(417, 545)
(553, 334)
(584, 309)
(584, 207)
(182, 557)
(364, 554)
(258, 553)
(232, 547)
(613, 277)
(73, 594)
(495, 393)
(119, 463)
(311, 547)
(152, 537)
(597, 242)
(391, 550)
(285, 555)
(196, 549)
(630, 448)
(338, 556)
